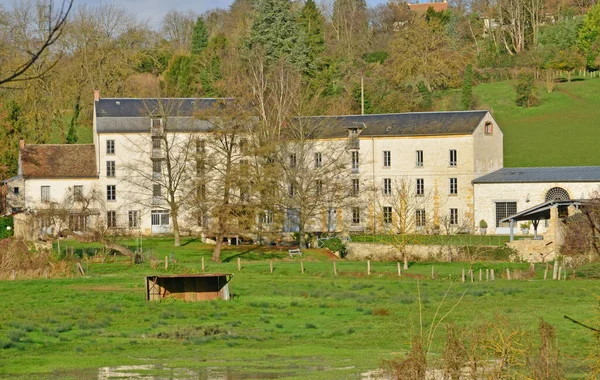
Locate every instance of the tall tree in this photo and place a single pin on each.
(72, 132)
(199, 37)
(589, 36)
(312, 24)
(276, 32)
(351, 26)
(177, 28)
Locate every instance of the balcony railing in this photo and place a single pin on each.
(353, 143)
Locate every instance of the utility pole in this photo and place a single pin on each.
(362, 95)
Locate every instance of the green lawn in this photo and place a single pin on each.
(285, 324)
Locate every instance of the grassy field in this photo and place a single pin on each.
(285, 324)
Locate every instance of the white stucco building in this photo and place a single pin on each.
(451, 162)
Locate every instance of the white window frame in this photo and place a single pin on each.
(387, 215)
(134, 218)
(387, 186)
(453, 216)
(111, 193)
(453, 186)
(419, 159)
(110, 147)
(318, 160)
(420, 218)
(387, 159)
(453, 158)
(111, 169)
(420, 189)
(355, 215)
(45, 193)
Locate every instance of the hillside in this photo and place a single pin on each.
(563, 130)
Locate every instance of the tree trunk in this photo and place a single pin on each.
(176, 231)
(216, 257)
(301, 238)
(405, 257)
(117, 247)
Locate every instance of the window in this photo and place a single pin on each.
(243, 145)
(387, 215)
(453, 216)
(156, 167)
(266, 217)
(110, 146)
(419, 158)
(293, 160)
(355, 186)
(16, 190)
(453, 186)
(200, 146)
(78, 192)
(159, 218)
(156, 190)
(489, 128)
(110, 168)
(45, 193)
(134, 219)
(156, 144)
(387, 159)
(504, 210)
(111, 219)
(354, 162)
(387, 186)
(420, 218)
(355, 215)
(318, 160)
(318, 187)
(453, 157)
(292, 190)
(420, 186)
(78, 222)
(111, 193)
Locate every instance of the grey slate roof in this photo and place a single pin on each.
(147, 107)
(400, 124)
(542, 174)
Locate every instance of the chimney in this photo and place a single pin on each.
(21, 143)
(96, 95)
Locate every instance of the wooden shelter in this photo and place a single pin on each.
(189, 287)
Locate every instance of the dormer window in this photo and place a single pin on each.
(489, 128)
(157, 126)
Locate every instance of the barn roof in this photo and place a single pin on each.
(399, 124)
(542, 174)
(58, 161)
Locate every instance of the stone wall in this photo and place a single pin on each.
(381, 252)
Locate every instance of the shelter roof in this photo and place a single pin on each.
(58, 161)
(542, 174)
(399, 124)
(542, 211)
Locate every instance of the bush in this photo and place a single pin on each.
(525, 87)
(5, 222)
(335, 245)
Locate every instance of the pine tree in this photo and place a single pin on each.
(467, 88)
(275, 31)
(312, 25)
(199, 37)
(72, 132)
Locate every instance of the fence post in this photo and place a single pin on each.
(203, 264)
(166, 263)
(546, 272)
(487, 274)
(271, 265)
(471, 274)
(480, 273)
(508, 273)
(493, 276)
(302, 266)
(239, 264)
(399, 269)
(369, 267)
(555, 270)
(432, 273)
(334, 269)
(463, 275)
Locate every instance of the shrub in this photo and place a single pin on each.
(525, 87)
(483, 224)
(6, 227)
(335, 245)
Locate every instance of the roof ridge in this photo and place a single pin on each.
(396, 113)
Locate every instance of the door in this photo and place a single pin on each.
(160, 222)
(331, 220)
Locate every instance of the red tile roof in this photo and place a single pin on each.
(422, 7)
(59, 161)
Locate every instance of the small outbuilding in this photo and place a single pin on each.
(189, 287)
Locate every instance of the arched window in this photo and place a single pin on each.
(489, 128)
(557, 194)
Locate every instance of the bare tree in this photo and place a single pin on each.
(26, 37)
(177, 28)
(404, 207)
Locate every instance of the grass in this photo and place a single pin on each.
(561, 131)
(284, 324)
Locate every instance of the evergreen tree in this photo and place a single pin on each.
(72, 132)
(275, 31)
(179, 77)
(467, 88)
(312, 25)
(589, 36)
(199, 37)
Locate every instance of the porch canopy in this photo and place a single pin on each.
(540, 212)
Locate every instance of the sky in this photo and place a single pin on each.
(154, 10)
